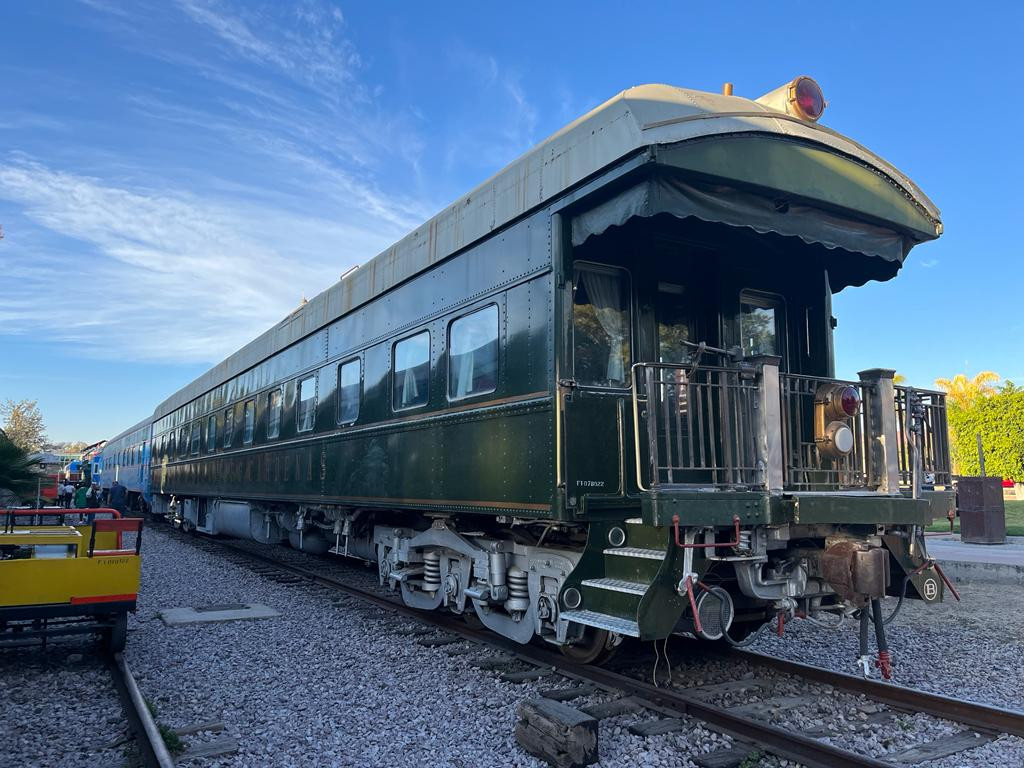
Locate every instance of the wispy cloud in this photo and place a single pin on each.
(170, 276)
(506, 116)
(311, 49)
(929, 263)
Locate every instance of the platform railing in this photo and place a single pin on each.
(935, 457)
(807, 467)
(697, 426)
(745, 425)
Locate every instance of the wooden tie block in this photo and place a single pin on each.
(556, 733)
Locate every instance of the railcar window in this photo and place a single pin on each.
(473, 353)
(229, 426)
(306, 412)
(410, 362)
(674, 323)
(195, 438)
(273, 413)
(601, 326)
(211, 434)
(183, 442)
(170, 445)
(760, 318)
(248, 421)
(349, 380)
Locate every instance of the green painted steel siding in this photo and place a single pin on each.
(488, 452)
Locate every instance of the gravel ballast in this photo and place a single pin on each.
(333, 682)
(58, 707)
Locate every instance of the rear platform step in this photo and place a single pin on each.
(617, 585)
(646, 554)
(603, 621)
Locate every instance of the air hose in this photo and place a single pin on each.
(884, 663)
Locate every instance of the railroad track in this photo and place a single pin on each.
(150, 744)
(987, 722)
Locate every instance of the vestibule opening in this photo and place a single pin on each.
(650, 290)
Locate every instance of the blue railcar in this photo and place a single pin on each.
(125, 458)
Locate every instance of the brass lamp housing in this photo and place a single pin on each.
(832, 432)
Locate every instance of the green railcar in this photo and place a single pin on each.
(595, 397)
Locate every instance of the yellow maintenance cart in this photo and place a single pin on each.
(64, 578)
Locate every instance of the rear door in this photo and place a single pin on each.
(596, 405)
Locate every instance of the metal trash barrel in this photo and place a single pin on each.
(979, 503)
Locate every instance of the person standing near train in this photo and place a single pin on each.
(81, 496)
(118, 497)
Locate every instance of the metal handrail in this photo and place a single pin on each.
(706, 428)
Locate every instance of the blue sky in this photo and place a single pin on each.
(175, 176)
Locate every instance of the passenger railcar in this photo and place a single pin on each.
(126, 458)
(596, 396)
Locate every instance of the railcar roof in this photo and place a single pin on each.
(641, 116)
(144, 423)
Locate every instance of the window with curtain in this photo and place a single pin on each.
(306, 412)
(411, 366)
(349, 380)
(229, 426)
(273, 413)
(211, 434)
(248, 422)
(473, 353)
(601, 327)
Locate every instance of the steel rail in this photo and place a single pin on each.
(152, 750)
(981, 716)
(786, 744)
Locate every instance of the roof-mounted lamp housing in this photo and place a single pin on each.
(801, 97)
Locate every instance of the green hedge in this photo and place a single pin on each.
(1000, 420)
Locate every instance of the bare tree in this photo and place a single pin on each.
(23, 424)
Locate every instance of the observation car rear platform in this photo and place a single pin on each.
(59, 578)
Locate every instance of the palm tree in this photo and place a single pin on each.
(963, 391)
(18, 475)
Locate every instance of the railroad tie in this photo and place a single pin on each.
(939, 748)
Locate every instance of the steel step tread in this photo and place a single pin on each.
(640, 552)
(617, 585)
(603, 621)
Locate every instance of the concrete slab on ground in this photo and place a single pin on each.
(998, 563)
(217, 613)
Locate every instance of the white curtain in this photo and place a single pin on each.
(410, 354)
(605, 293)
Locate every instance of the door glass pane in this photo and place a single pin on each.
(674, 326)
(248, 421)
(473, 353)
(348, 391)
(411, 366)
(759, 326)
(601, 327)
(307, 404)
(273, 413)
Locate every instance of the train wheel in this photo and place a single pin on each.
(115, 637)
(596, 647)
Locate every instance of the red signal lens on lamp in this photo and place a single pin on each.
(809, 98)
(849, 401)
